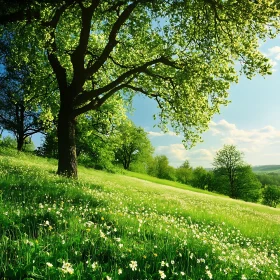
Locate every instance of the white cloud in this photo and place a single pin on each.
(248, 140)
(260, 146)
(155, 134)
(273, 64)
(160, 134)
(275, 52)
(177, 154)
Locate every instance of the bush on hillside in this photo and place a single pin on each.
(271, 196)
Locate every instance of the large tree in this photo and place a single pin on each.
(17, 113)
(21, 107)
(181, 53)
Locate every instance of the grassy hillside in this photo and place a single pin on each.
(266, 168)
(108, 226)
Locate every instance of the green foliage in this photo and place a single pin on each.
(184, 173)
(160, 168)
(28, 145)
(8, 142)
(134, 146)
(219, 183)
(49, 145)
(200, 178)
(98, 136)
(233, 177)
(24, 106)
(249, 187)
(246, 184)
(227, 163)
(271, 195)
(270, 178)
(181, 53)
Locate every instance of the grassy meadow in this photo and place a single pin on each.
(111, 226)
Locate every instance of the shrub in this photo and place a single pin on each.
(271, 195)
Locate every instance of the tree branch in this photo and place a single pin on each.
(97, 102)
(112, 42)
(77, 57)
(60, 71)
(88, 95)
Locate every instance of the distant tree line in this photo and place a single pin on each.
(230, 176)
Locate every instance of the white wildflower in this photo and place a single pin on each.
(133, 265)
(67, 268)
(49, 264)
(162, 275)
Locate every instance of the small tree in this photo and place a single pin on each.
(227, 162)
(184, 173)
(160, 168)
(248, 185)
(134, 144)
(21, 98)
(200, 178)
(271, 195)
(49, 145)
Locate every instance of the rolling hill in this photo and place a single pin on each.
(113, 226)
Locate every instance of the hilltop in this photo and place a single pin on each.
(113, 226)
(266, 168)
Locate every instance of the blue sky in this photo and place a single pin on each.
(251, 121)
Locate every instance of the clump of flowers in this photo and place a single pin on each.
(94, 266)
(162, 274)
(67, 268)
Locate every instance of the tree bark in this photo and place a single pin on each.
(20, 142)
(67, 158)
(20, 110)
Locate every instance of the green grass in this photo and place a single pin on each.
(177, 185)
(106, 226)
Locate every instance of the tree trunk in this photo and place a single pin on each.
(67, 158)
(20, 109)
(233, 191)
(20, 142)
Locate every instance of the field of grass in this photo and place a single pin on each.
(156, 180)
(110, 226)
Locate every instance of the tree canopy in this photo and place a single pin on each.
(134, 144)
(180, 53)
(227, 162)
(21, 109)
(233, 177)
